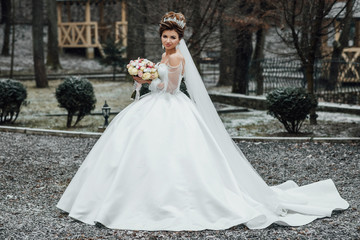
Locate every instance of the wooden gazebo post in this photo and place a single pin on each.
(89, 50)
(59, 18)
(121, 27)
(124, 22)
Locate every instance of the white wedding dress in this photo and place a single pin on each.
(160, 166)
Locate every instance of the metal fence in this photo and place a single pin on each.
(281, 73)
(277, 73)
(210, 72)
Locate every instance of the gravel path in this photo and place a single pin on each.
(35, 170)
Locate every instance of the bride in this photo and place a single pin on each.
(166, 162)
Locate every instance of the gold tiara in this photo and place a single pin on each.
(181, 23)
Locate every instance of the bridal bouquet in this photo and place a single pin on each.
(143, 68)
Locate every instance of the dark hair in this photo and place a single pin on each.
(171, 25)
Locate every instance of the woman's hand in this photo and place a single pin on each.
(160, 86)
(140, 80)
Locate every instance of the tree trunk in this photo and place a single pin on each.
(6, 18)
(53, 60)
(69, 120)
(38, 44)
(309, 73)
(339, 46)
(258, 56)
(114, 71)
(227, 56)
(194, 41)
(136, 32)
(243, 53)
(334, 67)
(3, 11)
(314, 44)
(12, 40)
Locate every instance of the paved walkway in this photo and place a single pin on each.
(35, 170)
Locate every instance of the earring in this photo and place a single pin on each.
(163, 47)
(177, 46)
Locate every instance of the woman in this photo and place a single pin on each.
(166, 162)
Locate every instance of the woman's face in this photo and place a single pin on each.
(169, 39)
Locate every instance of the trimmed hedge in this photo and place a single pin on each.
(76, 95)
(290, 106)
(12, 95)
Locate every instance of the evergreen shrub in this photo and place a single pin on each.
(290, 106)
(76, 95)
(12, 96)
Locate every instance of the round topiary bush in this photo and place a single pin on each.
(12, 95)
(76, 95)
(290, 106)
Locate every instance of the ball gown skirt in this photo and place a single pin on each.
(158, 167)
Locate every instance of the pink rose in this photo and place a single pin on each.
(140, 73)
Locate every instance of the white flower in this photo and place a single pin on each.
(146, 76)
(133, 71)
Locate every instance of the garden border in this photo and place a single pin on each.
(40, 131)
(63, 133)
(259, 103)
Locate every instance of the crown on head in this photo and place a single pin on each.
(181, 23)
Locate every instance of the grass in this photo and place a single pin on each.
(117, 94)
(42, 101)
(259, 124)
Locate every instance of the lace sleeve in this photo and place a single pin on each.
(169, 78)
(174, 78)
(154, 85)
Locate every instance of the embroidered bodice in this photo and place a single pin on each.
(169, 78)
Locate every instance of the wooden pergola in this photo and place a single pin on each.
(89, 34)
(350, 54)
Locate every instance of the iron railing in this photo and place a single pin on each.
(283, 72)
(280, 73)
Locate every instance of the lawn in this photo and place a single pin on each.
(42, 102)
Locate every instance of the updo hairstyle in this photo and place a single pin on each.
(171, 25)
